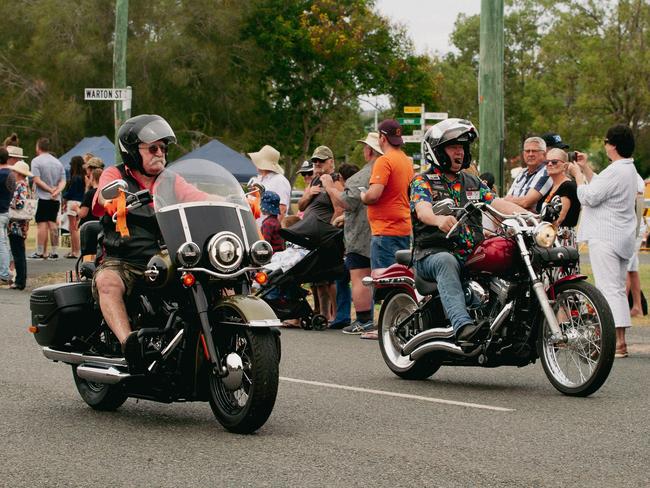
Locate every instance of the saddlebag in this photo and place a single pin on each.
(61, 311)
(554, 256)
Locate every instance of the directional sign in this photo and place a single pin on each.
(107, 94)
(418, 132)
(416, 156)
(417, 121)
(436, 115)
(417, 139)
(412, 110)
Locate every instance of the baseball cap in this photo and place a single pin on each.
(306, 167)
(554, 140)
(391, 129)
(322, 153)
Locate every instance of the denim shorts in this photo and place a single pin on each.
(383, 248)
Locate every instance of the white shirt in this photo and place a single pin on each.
(608, 207)
(277, 183)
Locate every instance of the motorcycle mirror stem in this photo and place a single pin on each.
(112, 190)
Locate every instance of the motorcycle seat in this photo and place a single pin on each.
(425, 287)
(403, 256)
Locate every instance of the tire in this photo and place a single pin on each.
(247, 408)
(319, 322)
(396, 307)
(581, 366)
(99, 396)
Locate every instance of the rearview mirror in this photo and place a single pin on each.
(112, 190)
(444, 207)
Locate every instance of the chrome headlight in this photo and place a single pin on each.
(189, 254)
(544, 234)
(225, 251)
(261, 252)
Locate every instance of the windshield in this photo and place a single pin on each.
(197, 181)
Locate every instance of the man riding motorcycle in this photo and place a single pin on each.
(446, 147)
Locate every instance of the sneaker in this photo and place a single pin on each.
(35, 255)
(357, 327)
(6, 282)
(53, 255)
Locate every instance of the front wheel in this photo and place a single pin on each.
(98, 395)
(243, 400)
(581, 365)
(397, 307)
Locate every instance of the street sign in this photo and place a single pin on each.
(107, 94)
(436, 115)
(418, 132)
(417, 139)
(416, 156)
(412, 110)
(403, 121)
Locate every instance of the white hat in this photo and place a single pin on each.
(16, 152)
(21, 167)
(267, 159)
(372, 140)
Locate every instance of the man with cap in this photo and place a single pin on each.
(271, 176)
(270, 227)
(387, 198)
(553, 140)
(7, 187)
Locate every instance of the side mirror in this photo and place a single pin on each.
(444, 207)
(112, 190)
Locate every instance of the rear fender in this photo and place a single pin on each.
(550, 291)
(396, 276)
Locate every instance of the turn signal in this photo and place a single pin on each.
(261, 277)
(188, 280)
(33, 329)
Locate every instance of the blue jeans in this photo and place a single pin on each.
(446, 270)
(343, 300)
(5, 253)
(383, 248)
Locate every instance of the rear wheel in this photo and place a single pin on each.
(397, 307)
(98, 395)
(243, 400)
(581, 365)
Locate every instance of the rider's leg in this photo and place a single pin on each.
(110, 290)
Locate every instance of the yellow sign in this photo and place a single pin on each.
(412, 110)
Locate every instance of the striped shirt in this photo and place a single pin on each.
(608, 207)
(526, 181)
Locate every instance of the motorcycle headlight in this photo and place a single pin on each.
(189, 254)
(544, 234)
(225, 251)
(261, 252)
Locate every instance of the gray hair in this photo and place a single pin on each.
(537, 140)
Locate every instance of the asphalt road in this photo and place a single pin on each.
(509, 427)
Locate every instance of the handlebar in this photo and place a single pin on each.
(135, 200)
(484, 207)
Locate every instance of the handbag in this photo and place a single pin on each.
(26, 213)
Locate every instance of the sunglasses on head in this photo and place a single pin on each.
(154, 147)
(553, 162)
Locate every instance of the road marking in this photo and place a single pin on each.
(398, 395)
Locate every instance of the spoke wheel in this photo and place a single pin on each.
(581, 365)
(245, 408)
(397, 307)
(98, 395)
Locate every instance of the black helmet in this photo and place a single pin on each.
(449, 131)
(142, 129)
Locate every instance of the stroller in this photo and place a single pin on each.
(324, 262)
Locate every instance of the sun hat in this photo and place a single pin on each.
(16, 152)
(267, 159)
(391, 129)
(306, 167)
(372, 140)
(322, 153)
(21, 167)
(270, 203)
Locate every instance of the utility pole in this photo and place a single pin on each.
(122, 108)
(491, 111)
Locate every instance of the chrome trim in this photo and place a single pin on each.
(441, 346)
(367, 281)
(110, 376)
(78, 358)
(172, 345)
(186, 227)
(152, 274)
(393, 281)
(264, 323)
(221, 275)
(501, 317)
(213, 251)
(426, 336)
(243, 228)
(203, 203)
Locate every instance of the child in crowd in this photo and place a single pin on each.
(270, 226)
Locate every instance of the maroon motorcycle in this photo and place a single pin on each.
(522, 286)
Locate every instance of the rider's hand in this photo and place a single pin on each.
(446, 222)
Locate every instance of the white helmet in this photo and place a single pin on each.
(449, 131)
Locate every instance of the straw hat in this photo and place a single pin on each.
(267, 159)
(372, 140)
(21, 167)
(16, 152)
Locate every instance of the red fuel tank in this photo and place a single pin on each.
(494, 255)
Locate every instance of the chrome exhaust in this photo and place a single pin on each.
(441, 346)
(427, 335)
(94, 374)
(78, 358)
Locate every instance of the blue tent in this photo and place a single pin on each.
(100, 146)
(240, 166)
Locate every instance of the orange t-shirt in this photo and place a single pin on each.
(391, 215)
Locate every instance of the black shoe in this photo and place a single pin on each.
(134, 353)
(467, 332)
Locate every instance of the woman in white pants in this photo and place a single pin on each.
(609, 222)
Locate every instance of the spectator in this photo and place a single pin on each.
(270, 227)
(609, 222)
(387, 198)
(271, 175)
(553, 140)
(533, 184)
(633, 282)
(307, 172)
(566, 189)
(489, 180)
(7, 187)
(49, 178)
(18, 228)
(72, 200)
(15, 155)
(90, 164)
(92, 182)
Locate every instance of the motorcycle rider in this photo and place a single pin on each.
(446, 147)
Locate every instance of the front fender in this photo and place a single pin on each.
(254, 311)
(550, 292)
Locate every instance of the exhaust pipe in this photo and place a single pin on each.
(78, 358)
(441, 346)
(426, 336)
(110, 376)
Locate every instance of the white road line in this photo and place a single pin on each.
(398, 395)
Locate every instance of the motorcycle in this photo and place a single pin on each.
(524, 290)
(203, 335)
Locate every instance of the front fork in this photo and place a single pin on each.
(540, 293)
(201, 303)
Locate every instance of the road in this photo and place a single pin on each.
(341, 419)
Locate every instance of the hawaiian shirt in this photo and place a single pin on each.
(21, 193)
(421, 191)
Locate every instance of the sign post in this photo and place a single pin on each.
(121, 107)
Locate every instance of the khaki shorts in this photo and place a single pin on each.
(129, 273)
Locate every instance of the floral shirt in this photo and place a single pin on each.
(421, 191)
(21, 193)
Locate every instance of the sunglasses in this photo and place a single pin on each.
(553, 162)
(606, 141)
(153, 148)
(318, 161)
(308, 173)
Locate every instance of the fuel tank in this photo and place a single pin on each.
(496, 255)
